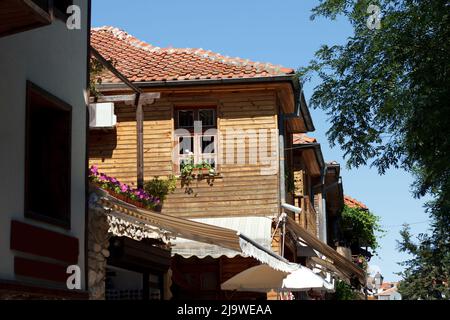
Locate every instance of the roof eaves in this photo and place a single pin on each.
(182, 83)
(306, 114)
(317, 150)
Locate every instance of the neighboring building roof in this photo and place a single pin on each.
(388, 285)
(388, 292)
(353, 203)
(302, 138)
(142, 62)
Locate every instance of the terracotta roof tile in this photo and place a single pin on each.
(353, 203)
(140, 61)
(387, 285)
(388, 292)
(302, 138)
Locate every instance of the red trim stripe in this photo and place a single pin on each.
(40, 270)
(45, 243)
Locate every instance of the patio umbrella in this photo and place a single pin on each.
(304, 279)
(263, 278)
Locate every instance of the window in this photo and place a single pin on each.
(199, 144)
(48, 153)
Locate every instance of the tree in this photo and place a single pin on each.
(426, 274)
(360, 227)
(387, 94)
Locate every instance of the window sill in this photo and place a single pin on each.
(203, 176)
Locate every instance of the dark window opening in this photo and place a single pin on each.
(207, 117)
(185, 118)
(48, 153)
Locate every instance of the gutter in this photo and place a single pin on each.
(301, 108)
(197, 82)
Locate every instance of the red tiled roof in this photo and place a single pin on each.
(139, 61)
(353, 203)
(387, 285)
(302, 138)
(388, 292)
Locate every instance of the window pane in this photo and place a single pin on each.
(208, 144)
(186, 145)
(210, 160)
(207, 117)
(185, 118)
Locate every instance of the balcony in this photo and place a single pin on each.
(21, 15)
(308, 218)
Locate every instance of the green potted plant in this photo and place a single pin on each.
(160, 188)
(203, 168)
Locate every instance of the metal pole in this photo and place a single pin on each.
(284, 236)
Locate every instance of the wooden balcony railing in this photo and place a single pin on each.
(308, 217)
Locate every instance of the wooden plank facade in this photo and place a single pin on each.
(238, 190)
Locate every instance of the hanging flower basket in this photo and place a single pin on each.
(124, 192)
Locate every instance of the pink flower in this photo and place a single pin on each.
(94, 170)
(123, 187)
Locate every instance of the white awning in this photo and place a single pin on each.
(199, 232)
(340, 262)
(256, 228)
(263, 278)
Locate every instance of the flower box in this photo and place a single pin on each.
(137, 197)
(200, 171)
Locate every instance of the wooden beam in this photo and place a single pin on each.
(140, 143)
(141, 99)
(130, 98)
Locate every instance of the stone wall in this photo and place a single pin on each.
(98, 244)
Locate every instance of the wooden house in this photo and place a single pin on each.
(237, 116)
(43, 108)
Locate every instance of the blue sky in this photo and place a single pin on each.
(279, 32)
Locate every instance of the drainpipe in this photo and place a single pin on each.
(323, 211)
(282, 177)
